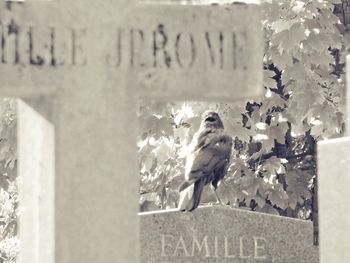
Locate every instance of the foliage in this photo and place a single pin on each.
(273, 164)
(9, 245)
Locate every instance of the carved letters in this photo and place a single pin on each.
(127, 48)
(220, 50)
(241, 247)
(41, 46)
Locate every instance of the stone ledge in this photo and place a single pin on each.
(236, 210)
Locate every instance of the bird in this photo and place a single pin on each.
(207, 162)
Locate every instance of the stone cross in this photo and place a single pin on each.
(79, 68)
(334, 194)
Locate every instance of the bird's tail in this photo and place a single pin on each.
(191, 196)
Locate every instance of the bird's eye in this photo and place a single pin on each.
(210, 119)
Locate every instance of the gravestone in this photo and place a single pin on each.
(221, 234)
(333, 183)
(333, 194)
(79, 68)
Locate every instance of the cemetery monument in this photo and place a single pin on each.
(81, 70)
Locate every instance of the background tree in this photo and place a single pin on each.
(273, 166)
(9, 246)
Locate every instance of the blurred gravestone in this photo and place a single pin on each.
(334, 194)
(76, 150)
(80, 67)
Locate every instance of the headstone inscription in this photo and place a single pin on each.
(333, 194)
(219, 234)
(206, 53)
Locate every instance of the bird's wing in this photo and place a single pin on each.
(215, 151)
(200, 141)
(203, 138)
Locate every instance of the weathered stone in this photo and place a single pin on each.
(206, 53)
(36, 193)
(210, 53)
(347, 130)
(333, 196)
(219, 234)
(88, 58)
(93, 117)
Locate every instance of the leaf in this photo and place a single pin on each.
(268, 79)
(281, 25)
(272, 11)
(260, 201)
(267, 209)
(146, 157)
(281, 59)
(317, 130)
(242, 133)
(273, 102)
(296, 72)
(208, 195)
(320, 42)
(156, 126)
(162, 151)
(278, 132)
(226, 193)
(172, 198)
(268, 144)
(297, 187)
(278, 196)
(175, 181)
(250, 185)
(287, 40)
(273, 165)
(239, 166)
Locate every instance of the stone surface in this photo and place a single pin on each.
(77, 64)
(223, 235)
(95, 164)
(333, 196)
(36, 192)
(206, 53)
(347, 130)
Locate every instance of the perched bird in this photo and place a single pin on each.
(208, 161)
